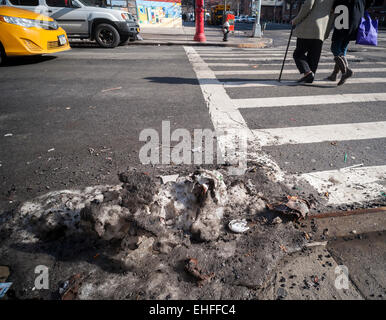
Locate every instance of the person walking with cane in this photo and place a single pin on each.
(342, 37)
(312, 26)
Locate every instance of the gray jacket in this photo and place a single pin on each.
(314, 20)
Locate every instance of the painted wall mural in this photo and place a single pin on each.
(159, 13)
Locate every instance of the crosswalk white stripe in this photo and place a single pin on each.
(308, 100)
(348, 186)
(271, 58)
(203, 49)
(253, 51)
(265, 83)
(232, 54)
(281, 52)
(262, 54)
(222, 49)
(274, 71)
(382, 48)
(224, 114)
(215, 64)
(320, 133)
(243, 64)
(278, 64)
(227, 120)
(203, 53)
(246, 50)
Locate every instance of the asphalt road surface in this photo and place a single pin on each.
(314, 132)
(59, 129)
(73, 119)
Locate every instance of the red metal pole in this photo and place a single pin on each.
(200, 35)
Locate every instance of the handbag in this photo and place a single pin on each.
(368, 31)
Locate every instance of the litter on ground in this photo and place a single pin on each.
(238, 226)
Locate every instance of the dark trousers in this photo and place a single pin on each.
(307, 54)
(339, 47)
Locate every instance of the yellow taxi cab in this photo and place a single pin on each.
(24, 32)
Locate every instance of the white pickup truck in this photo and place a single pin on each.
(82, 19)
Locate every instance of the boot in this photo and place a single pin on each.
(348, 74)
(333, 75)
(340, 63)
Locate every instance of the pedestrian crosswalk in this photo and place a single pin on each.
(292, 128)
(270, 83)
(256, 58)
(271, 71)
(308, 100)
(314, 134)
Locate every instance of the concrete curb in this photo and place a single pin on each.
(349, 223)
(263, 43)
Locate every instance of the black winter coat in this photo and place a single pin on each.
(356, 9)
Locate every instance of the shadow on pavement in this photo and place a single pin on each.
(173, 80)
(75, 249)
(93, 45)
(88, 44)
(315, 85)
(25, 60)
(291, 82)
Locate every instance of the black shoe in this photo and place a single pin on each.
(345, 76)
(309, 78)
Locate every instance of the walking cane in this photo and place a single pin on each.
(285, 57)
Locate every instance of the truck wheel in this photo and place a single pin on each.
(107, 36)
(124, 40)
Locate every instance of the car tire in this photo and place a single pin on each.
(107, 36)
(2, 54)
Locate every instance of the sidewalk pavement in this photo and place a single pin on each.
(184, 35)
(351, 239)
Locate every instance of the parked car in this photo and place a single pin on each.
(237, 19)
(23, 32)
(251, 19)
(81, 19)
(243, 18)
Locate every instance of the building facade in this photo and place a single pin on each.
(271, 10)
(290, 9)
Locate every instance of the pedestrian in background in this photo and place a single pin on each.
(225, 29)
(342, 37)
(312, 26)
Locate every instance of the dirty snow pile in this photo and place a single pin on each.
(160, 224)
(193, 204)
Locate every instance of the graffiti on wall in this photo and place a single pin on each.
(160, 13)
